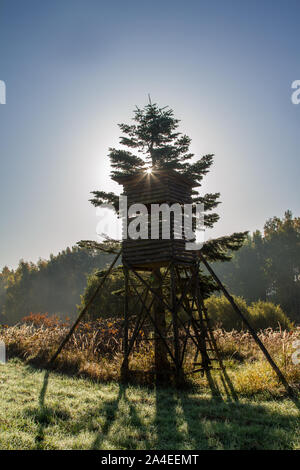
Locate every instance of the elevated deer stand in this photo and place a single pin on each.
(162, 284)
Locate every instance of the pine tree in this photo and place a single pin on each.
(153, 141)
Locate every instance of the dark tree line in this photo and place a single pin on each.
(267, 267)
(53, 286)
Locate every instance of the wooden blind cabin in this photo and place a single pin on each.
(158, 187)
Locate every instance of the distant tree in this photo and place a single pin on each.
(268, 266)
(5, 276)
(245, 275)
(282, 266)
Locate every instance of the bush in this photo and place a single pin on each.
(260, 314)
(268, 315)
(43, 319)
(222, 314)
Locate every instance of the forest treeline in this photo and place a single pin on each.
(266, 268)
(50, 286)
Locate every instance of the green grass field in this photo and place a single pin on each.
(53, 411)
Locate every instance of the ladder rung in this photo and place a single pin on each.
(203, 370)
(200, 363)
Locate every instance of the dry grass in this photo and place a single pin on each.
(95, 351)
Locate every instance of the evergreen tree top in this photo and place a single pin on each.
(154, 141)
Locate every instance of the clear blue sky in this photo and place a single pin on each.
(75, 68)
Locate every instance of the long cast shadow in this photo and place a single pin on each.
(137, 422)
(109, 411)
(44, 415)
(220, 421)
(42, 412)
(235, 425)
(213, 385)
(165, 420)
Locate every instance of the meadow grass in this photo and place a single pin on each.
(42, 410)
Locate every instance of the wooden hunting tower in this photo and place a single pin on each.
(161, 275)
(160, 187)
(163, 298)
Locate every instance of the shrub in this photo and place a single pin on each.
(222, 314)
(268, 315)
(43, 319)
(261, 315)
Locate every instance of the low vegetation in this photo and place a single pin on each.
(95, 351)
(261, 315)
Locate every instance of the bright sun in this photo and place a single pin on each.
(149, 171)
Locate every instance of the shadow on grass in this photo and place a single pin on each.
(237, 426)
(45, 415)
(133, 420)
(108, 411)
(188, 421)
(40, 435)
(42, 416)
(181, 419)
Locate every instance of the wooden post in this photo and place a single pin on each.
(124, 368)
(175, 326)
(159, 316)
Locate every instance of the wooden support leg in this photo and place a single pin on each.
(178, 363)
(124, 368)
(159, 316)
